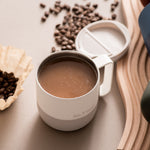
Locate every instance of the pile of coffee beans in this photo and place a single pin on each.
(8, 83)
(76, 18)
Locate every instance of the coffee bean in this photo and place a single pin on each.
(16, 79)
(63, 48)
(53, 49)
(43, 19)
(5, 84)
(64, 43)
(56, 11)
(58, 2)
(73, 46)
(46, 14)
(114, 16)
(51, 10)
(95, 6)
(88, 4)
(70, 42)
(56, 33)
(42, 5)
(57, 26)
(1, 79)
(2, 90)
(66, 7)
(112, 8)
(69, 47)
(116, 3)
(1, 96)
(10, 94)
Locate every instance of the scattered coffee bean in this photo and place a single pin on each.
(114, 16)
(53, 49)
(43, 19)
(116, 3)
(42, 5)
(51, 10)
(112, 7)
(95, 6)
(46, 14)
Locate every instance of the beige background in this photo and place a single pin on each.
(20, 126)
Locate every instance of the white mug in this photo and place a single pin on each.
(68, 114)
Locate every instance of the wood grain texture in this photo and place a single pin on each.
(133, 74)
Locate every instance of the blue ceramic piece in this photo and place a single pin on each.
(144, 23)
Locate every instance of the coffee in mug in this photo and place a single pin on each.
(67, 78)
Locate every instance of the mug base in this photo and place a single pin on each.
(66, 125)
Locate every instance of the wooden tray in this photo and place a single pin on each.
(133, 74)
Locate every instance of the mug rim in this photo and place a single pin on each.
(72, 52)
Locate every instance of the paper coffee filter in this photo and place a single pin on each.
(16, 61)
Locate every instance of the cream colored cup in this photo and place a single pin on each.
(69, 114)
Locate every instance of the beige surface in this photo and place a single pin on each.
(20, 126)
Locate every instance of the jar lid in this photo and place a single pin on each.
(103, 37)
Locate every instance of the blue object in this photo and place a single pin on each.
(144, 23)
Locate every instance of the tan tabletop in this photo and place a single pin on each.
(20, 126)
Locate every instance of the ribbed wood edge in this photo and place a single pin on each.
(133, 75)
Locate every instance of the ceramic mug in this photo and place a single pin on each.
(69, 114)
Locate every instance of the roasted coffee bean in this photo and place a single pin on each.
(56, 11)
(1, 79)
(70, 42)
(42, 5)
(60, 28)
(114, 16)
(56, 33)
(5, 92)
(63, 48)
(43, 19)
(51, 10)
(112, 7)
(58, 2)
(16, 79)
(1, 96)
(57, 26)
(66, 7)
(64, 43)
(88, 4)
(73, 46)
(5, 75)
(46, 14)
(10, 94)
(2, 90)
(116, 3)
(5, 84)
(53, 49)
(64, 22)
(95, 6)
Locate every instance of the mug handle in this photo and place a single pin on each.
(107, 63)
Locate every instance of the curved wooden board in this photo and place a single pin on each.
(132, 77)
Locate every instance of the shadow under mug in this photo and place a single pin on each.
(68, 114)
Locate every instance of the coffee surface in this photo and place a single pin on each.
(67, 79)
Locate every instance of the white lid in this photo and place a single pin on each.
(103, 37)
